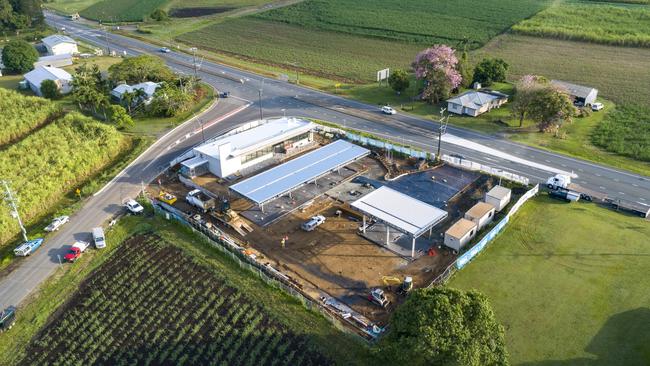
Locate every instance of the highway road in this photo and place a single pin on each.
(281, 98)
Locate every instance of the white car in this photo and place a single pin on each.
(597, 107)
(134, 207)
(388, 110)
(313, 223)
(165, 50)
(57, 223)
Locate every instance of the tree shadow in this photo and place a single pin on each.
(623, 340)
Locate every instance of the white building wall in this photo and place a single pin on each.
(62, 49)
(458, 243)
(481, 222)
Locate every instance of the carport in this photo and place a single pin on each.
(399, 211)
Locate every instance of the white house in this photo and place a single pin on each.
(474, 103)
(459, 234)
(58, 44)
(61, 77)
(148, 89)
(499, 197)
(233, 153)
(481, 214)
(54, 60)
(580, 94)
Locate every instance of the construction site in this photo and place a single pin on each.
(352, 225)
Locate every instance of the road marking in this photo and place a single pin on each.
(601, 187)
(642, 199)
(645, 204)
(621, 192)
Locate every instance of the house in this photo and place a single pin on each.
(58, 44)
(148, 89)
(459, 234)
(233, 153)
(584, 95)
(61, 77)
(54, 60)
(499, 197)
(476, 102)
(481, 214)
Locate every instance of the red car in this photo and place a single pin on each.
(75, 251)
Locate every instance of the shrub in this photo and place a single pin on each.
(19, 56)
(50, 89)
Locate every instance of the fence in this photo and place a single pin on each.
(470, 165)
(467, 257)
(219, 240)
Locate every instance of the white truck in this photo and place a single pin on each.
(57, 223)
(313, 223)
(28, 247)
(199, 199)
(558, 181)
(134, 207)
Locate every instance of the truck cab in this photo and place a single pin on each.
(558, 181)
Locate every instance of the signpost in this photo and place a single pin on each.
(382, 75)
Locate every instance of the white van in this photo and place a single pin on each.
(98, 238)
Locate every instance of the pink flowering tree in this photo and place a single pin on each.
(437, 66)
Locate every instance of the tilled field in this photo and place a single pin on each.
(151, 303)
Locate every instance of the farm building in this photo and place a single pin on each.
(474, 103)
(499, 197)
(243, 151)
(58, 44)
(481, 214)
(54, 60)
(460, 233)
(399, 211)
(61, 77)
(147, 90)
(580, 94)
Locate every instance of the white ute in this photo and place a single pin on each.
(313, 223)
(388, 110)
(134, 207)
(57, 223)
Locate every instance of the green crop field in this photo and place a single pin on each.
(70, 6)
(171, 299)
(121, 10)
(616, 25)
(331, 54)
(52, 161)
(625, 131)
(21, 114)
(418, 21)
(569, 284)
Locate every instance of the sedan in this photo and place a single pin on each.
(57, 223)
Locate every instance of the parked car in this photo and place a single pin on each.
(134, 207)
(597, 107)
(7, 318)
(165, 50)
(75, 250)
(57, 223)
(388, 110)
(98, 238)
(28, 247)
(313, 223)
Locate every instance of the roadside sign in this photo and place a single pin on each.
(383, 74)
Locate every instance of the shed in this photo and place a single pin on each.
(58, 44)
(499, 197)
(481, 214)
(61, 77)
(581, 94)
(54, 60)
(459, 234)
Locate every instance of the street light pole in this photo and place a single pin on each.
(261, 90)
(441, 130)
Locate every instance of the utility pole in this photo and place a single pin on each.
(202, 135)
(193, 49)
(441, 130)
(13, 205)
(261, 90)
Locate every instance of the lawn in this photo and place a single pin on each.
(121, 10)
(203, 308)
(616, 25)
(416, 21)
(569, 284)
(70, 6)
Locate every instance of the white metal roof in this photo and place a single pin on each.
(64, 56)
(499, 192)
(41, 73)
(271, 132)
(286, 177)
(194, 162)
(56, 39)
(148, 87)
(475, 99)
(574, 89)
(400, 211)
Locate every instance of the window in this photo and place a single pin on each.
(256, 154)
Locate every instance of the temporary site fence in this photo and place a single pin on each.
(221, 241)
(466, 257)
(471, 165)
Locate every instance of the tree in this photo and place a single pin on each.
(19, 56)
(490, 71)
(444, 326)
(169, 101)
(464, 67)
(117, 115)
(399, 81)
(159, 15)
(525, 93)
(134, 70)
(551, 108)
(437, 67)
(50, 89)
(88, 88)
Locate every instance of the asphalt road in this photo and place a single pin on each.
(279, 98)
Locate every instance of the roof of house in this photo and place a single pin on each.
(271, 132)
(574, 89)
(499, 192)
(479, 210)
(399, 210)
(460, 228)
(64, 56)
(56, 39)
(148, 87)
(476, 99)
(41, 73)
